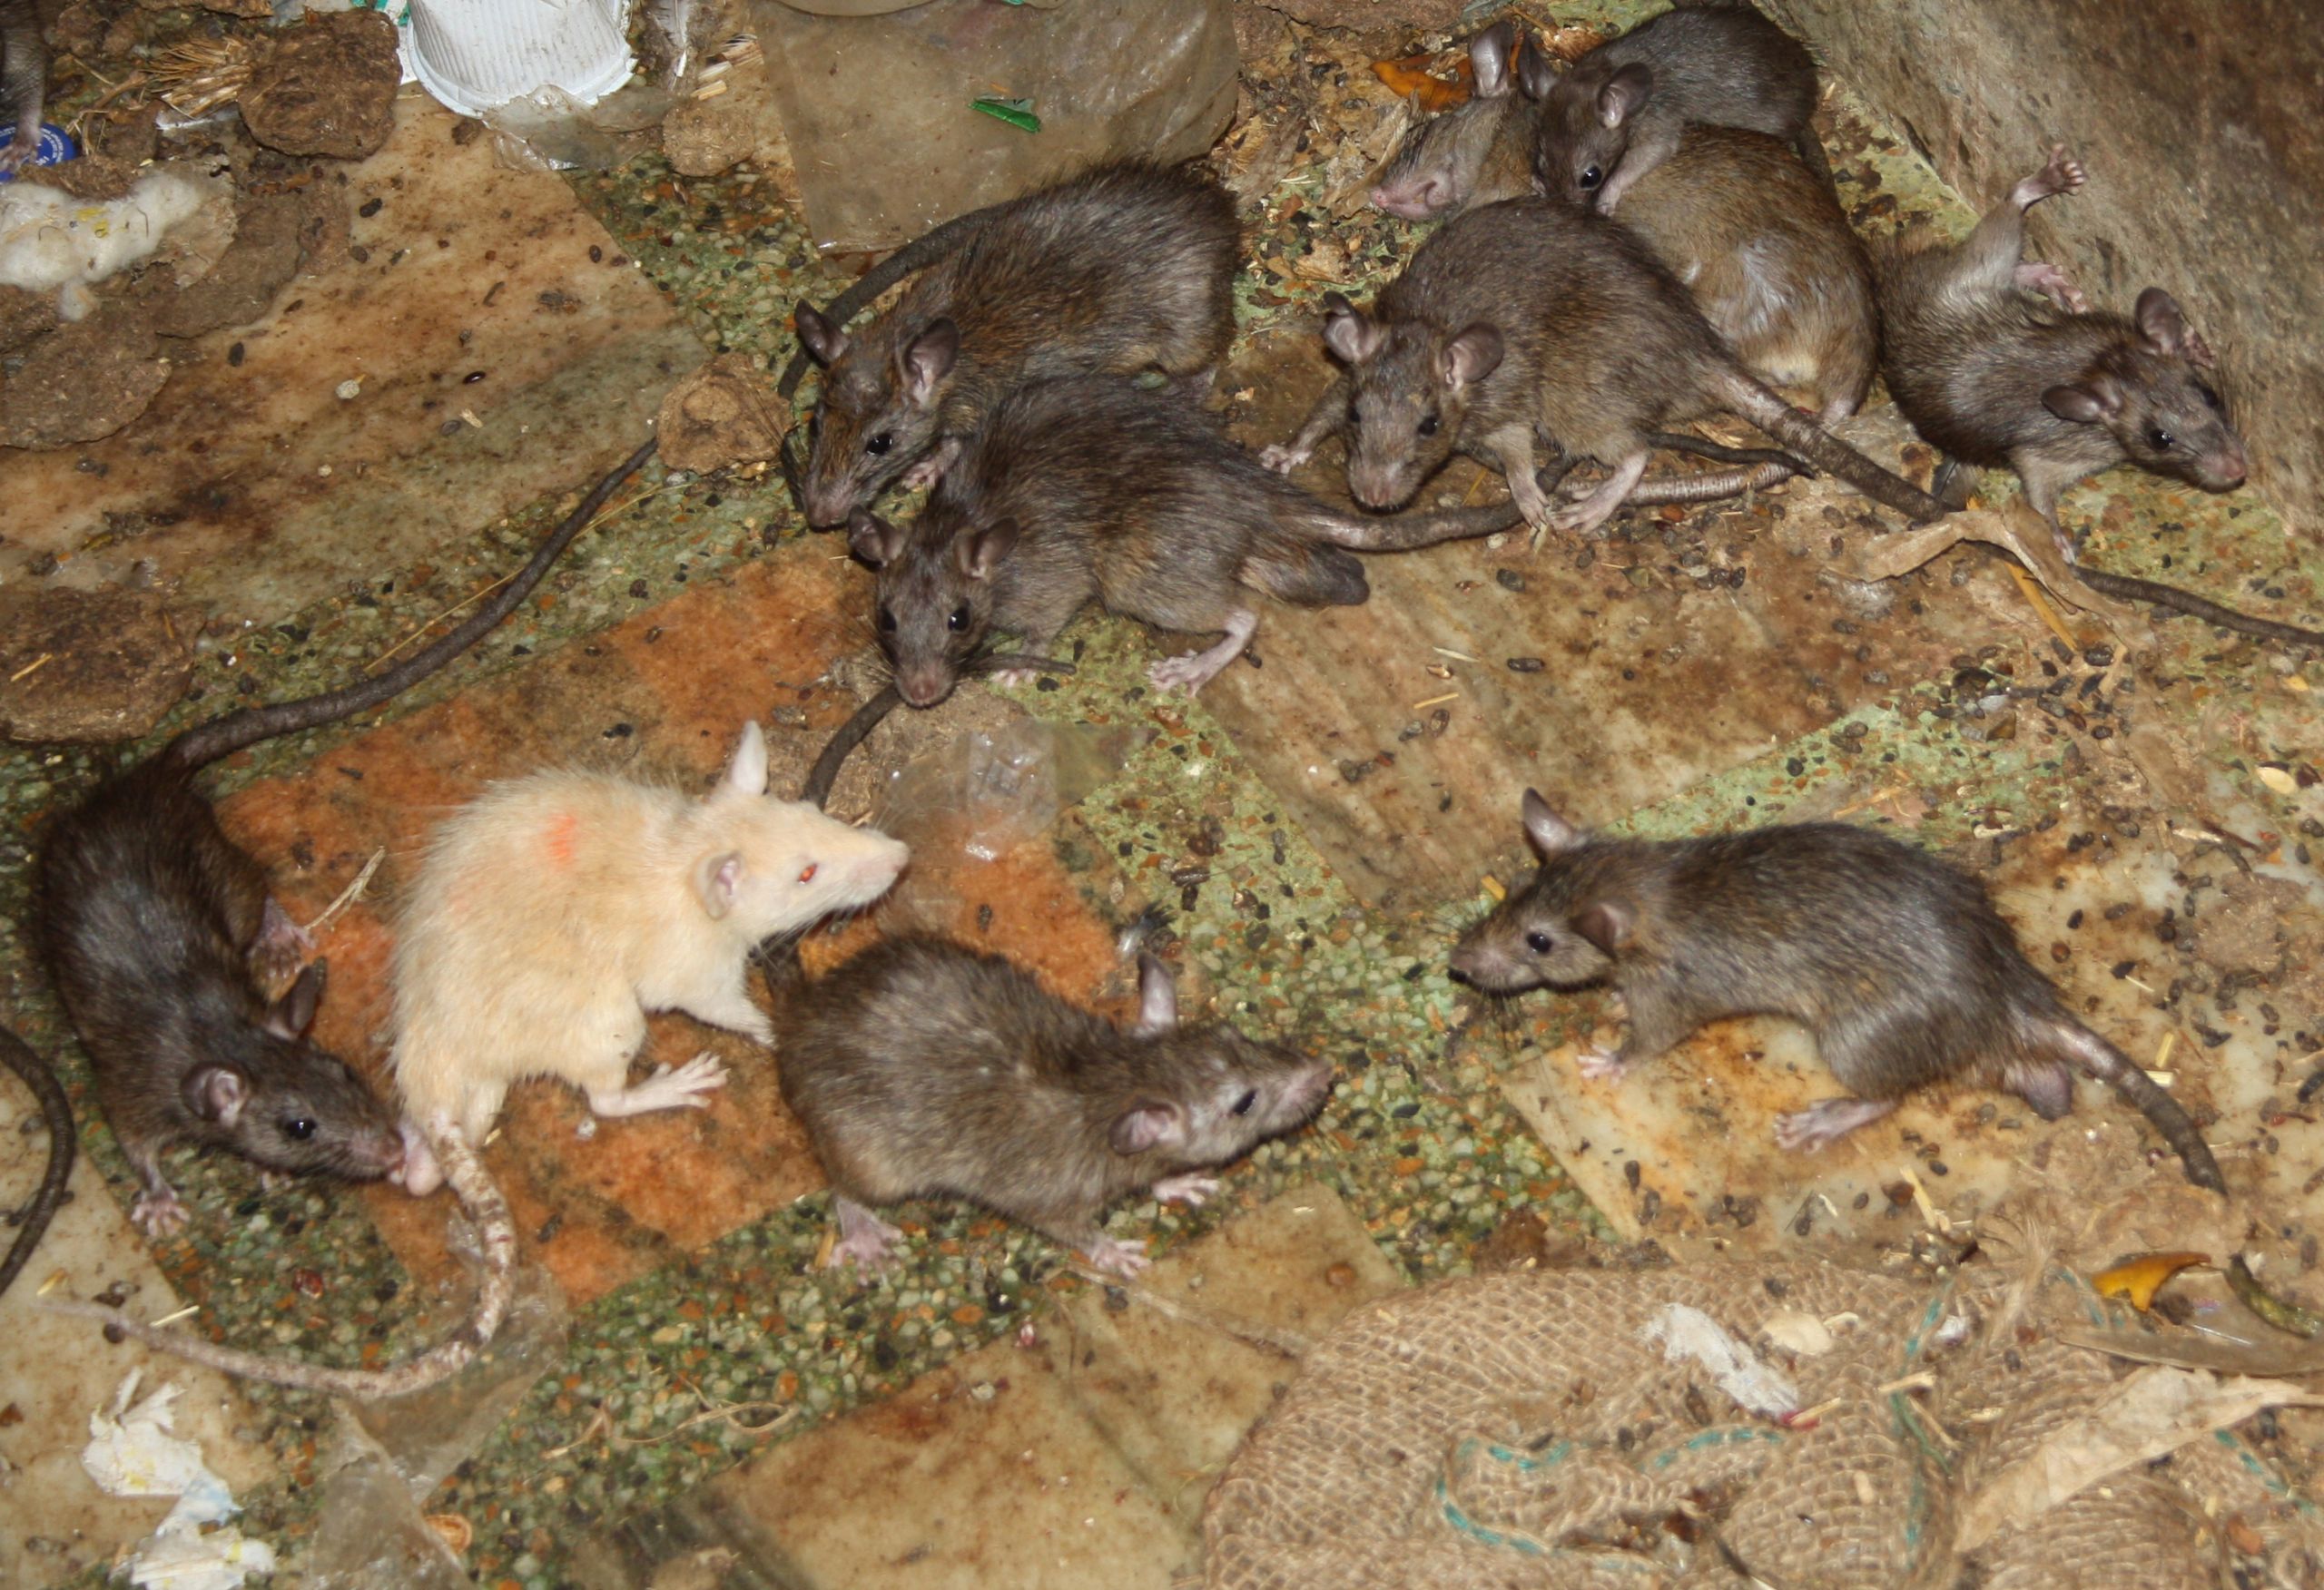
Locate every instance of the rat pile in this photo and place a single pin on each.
(1634, 243)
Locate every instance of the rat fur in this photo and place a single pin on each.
(23, 79)
(159, 933)
(1896, 962)
(1618, 113)
(1992, 375)
(554, 911)
(1531, 319)
(1091, 488)
(922, 1068)
(1123, 268)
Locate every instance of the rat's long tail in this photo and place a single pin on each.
(2130, 588)
(56, 1109)
(1820, 447)
(496, 1232)
(229, 733)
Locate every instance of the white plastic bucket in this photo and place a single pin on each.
(475, 55)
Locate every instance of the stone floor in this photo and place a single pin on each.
(692, 1400)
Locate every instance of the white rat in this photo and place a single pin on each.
(554, 910)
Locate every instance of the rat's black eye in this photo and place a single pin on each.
(1539, 943)
(1243, 1105)
(2159, 439)
(299, 1127)
(2203, 390)
(887, 618)
(1428, 424)
(959, 619)
(1589, 178)
(878, 446)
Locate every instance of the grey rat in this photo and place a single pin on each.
(158, 929)
(921, 1067)
(1616, 113)
(1991, 375)
(56, 1112)
(23, 79)
(1123, 268)
(1896, 962)
(1093, 489)
(1478, 152)
(1532, 320)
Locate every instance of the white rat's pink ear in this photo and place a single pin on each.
(746, 774)
(1147, 1125)
(290, 1016)
(217, 1093)
(1551, 833)
(717, 879)
(1158, 998)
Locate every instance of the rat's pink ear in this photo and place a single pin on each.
(1347, 332)
(2085, 402)
(717, 879)
(929, 359)
(825, 343)
(1158, 998)
(1551, 833)
(216, 1094)
(981, 552)
(873, 539)
(1147, 1125)
(746, 774)
(1489, 54)
(1606, 924)
(290, 1016)
(1624, 93)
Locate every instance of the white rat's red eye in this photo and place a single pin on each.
(808, 875)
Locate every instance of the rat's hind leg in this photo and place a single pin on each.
(1989, 257)
(864, 1237)
(682, 1089)
(1827, 1121)
(1197, 669)
(1599, 507)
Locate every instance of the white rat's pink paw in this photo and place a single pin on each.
(159, 1215)
(1190, 1189)
(1600, 1065)
(1113, 1257)
(684, 1088)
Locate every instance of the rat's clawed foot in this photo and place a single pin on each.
(682, 1089)
(1186, 673)
(1823, 1124)
(278, 952)
(1600, 1065)
(1113, 1257)
(1284, 459)
(931, 470)
(1190, 1189)
(159, 1215)
(2051, 283)
(864, 1238)
(2063, 175)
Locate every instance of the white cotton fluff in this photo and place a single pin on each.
(52, 241)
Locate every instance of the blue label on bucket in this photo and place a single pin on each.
(54, 148)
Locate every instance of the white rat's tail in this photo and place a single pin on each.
(488, 1212)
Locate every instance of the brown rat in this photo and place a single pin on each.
(1478, 152)
(1093, 489)
(1616, 113)
(157, 930)
(1532, 320)
(1992, 375)
(23, 79)
(1123, 268)
(1896, 963)
(1761, 242)
(554, 911)
(922, 1067)
(56, 1111)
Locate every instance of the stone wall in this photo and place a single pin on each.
(2203, 124)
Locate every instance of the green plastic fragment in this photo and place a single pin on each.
(1016, 112)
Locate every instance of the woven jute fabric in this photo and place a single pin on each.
(1524, 1430)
